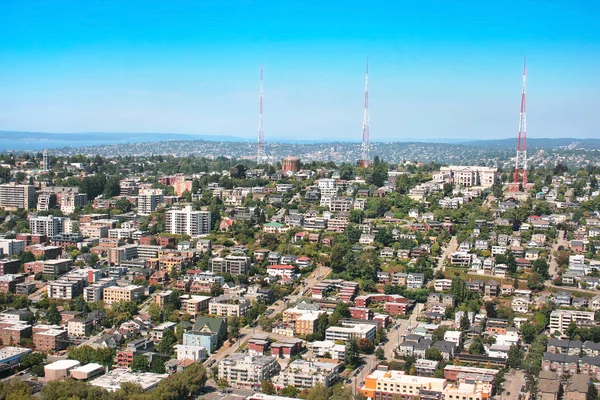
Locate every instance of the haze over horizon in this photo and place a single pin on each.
(438, 69)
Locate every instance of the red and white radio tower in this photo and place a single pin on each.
(260, 154)
(520, 176)
(366, 156)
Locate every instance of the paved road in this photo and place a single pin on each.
(394, 338)
(514, 380)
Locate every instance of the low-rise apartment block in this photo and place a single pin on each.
(245, 371)
(115, 294)
(229, 306)
(306, 374)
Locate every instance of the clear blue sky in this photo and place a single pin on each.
(438, 69)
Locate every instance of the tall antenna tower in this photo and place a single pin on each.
(260, 154)
(520, 176)
(366, 156)
(45, 164)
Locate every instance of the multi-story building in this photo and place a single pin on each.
(8, 266)
(335, 351)
(469, 175)
(65, 289)
(46, 201)
(69, 202)
(115, 294)
(12, 247)
(306, 374)
(234, 265)
(94, 292)
(229, 306)
(148, 200)
(79, 327)
(245, 371)
(194, 353)
(351, 331)
(54, 268)
(13, 332)
(51, 340)
(9, 282)
(194, 304)
(560, 319)
(14, 197)
(291, 164)
(188, 222)
(47, 225)
(387, 384)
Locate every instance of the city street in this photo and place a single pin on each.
(514, 380)
(394, 338)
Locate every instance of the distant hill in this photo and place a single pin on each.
(535, 143)
(33, 141)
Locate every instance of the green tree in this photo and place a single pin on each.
(319, 392)
(168, 340)
(351, 355)
(289, 391)
(52, 315)
(268, 387)
(464, 323)
(515, 357)
(140, 363)
(477, 347)
(155, 312)
(529, 332)
(571, 330)
(112, 187)
(433, 354)
(380, 335)
(380, 354)
(158, 364)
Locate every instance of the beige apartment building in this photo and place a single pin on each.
(116, 294)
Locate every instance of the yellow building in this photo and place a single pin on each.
(115, 294)
(382, 385)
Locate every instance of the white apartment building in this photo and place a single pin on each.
(194, 353)
(229, 306)
(188, 222)
(560, 319)
(94, 292)
(321, 348)
(441, 285)
(48, 225)
(245, 371)
(65, 289)
(345, 333)
(70, 201)
(148, 200)
(471, 175)
(120, 233)
(306, 374)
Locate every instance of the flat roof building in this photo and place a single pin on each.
(112, 381)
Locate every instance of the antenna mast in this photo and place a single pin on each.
(260, 155)
(366, 156)
(520, 175)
